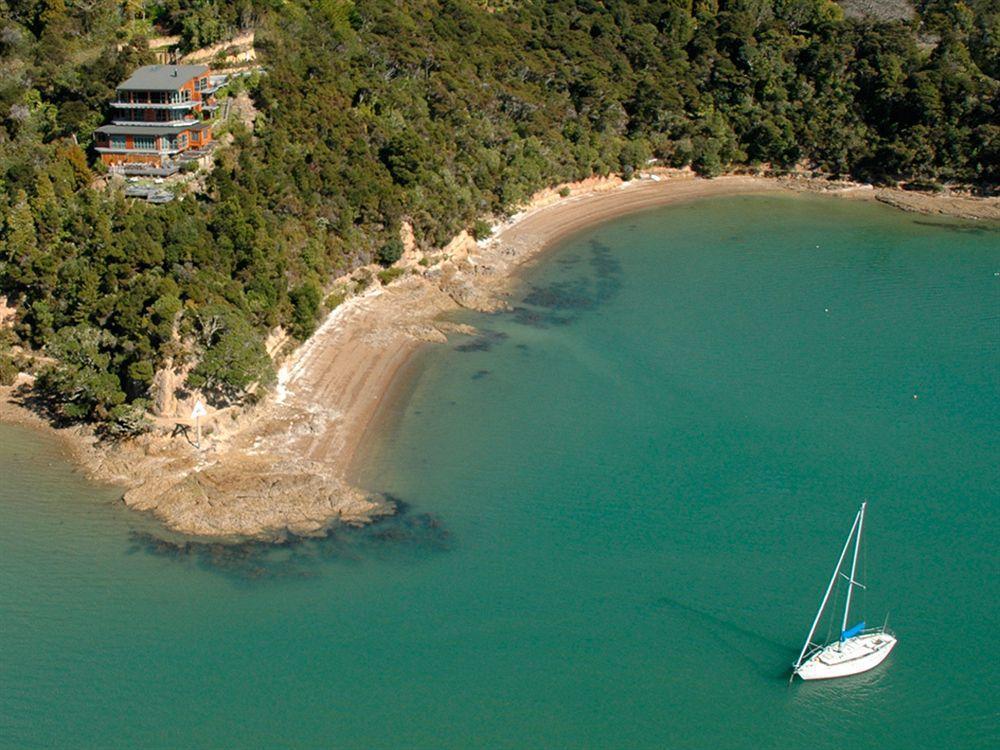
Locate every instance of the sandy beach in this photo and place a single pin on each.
(284, 465)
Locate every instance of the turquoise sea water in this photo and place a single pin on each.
(623, 501)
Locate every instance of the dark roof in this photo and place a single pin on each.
(141, 130)
(200, 125)
(162, 77)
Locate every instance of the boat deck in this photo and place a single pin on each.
(853, 648)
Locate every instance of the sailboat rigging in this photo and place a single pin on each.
(858, 648)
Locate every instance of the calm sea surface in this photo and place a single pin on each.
(623, 501)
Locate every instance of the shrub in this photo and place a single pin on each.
(389, 275)
(127, 420)
(390, 252)
(334, 300)
(481, 229)
(305, 301)
(634, 155)
(707, 161)
(8, 369)
(361, 283)
(924, 185)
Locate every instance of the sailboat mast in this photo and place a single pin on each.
(829, 588)
(854, 566)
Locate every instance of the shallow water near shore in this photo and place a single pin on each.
(623, 500)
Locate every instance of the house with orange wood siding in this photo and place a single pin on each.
(157, 119)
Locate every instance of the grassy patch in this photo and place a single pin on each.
(389, 275)
(335, 299)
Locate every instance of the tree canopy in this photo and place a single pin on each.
(436, 112)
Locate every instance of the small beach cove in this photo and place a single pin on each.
(282, 466)
(624, 492)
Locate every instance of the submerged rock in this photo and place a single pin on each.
(483, 342)
(292, 555)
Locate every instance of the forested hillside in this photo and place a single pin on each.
(378, 111)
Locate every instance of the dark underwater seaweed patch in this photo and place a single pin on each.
(482, 342)
(603, 261)
(295, 556)
(560, 302)
(480, 374)
(561, 295)
(963, 228)
(423, 530)
(608, 270)
(525, 316)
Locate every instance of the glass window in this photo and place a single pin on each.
(146, 142)
(117, 141)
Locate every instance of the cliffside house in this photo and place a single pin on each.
(156, 120)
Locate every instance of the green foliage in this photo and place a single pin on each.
(79, 383)
(8, 365)
(232, 357)
(437, 113)
(127, 420)
(141, 372)
(389, 275)
(305, 301)
(334, 300)
(390, 252)
(362, 282)
(8, 369)
(481, 229)
(202, 22)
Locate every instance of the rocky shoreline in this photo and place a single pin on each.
(283, 466)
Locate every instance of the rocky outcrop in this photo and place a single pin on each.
(254, 496)
(8, 312)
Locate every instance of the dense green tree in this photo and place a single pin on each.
(389, 252)
(232, 358)
(305, 300)
(79, 383)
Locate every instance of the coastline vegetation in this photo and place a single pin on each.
(376, 112)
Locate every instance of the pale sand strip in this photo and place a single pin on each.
(283, 464)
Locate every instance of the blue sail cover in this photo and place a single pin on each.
(851, 632)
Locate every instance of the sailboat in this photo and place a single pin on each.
(859, 648)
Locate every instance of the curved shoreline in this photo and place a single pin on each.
(287, 464)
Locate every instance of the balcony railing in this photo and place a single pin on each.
(187, 104)
(153, 98)
(174, 122)
(109, 149)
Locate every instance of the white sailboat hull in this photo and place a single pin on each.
(853, 656)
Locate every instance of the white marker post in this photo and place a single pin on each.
(197, 413)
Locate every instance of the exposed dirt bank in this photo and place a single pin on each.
(281, 465)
